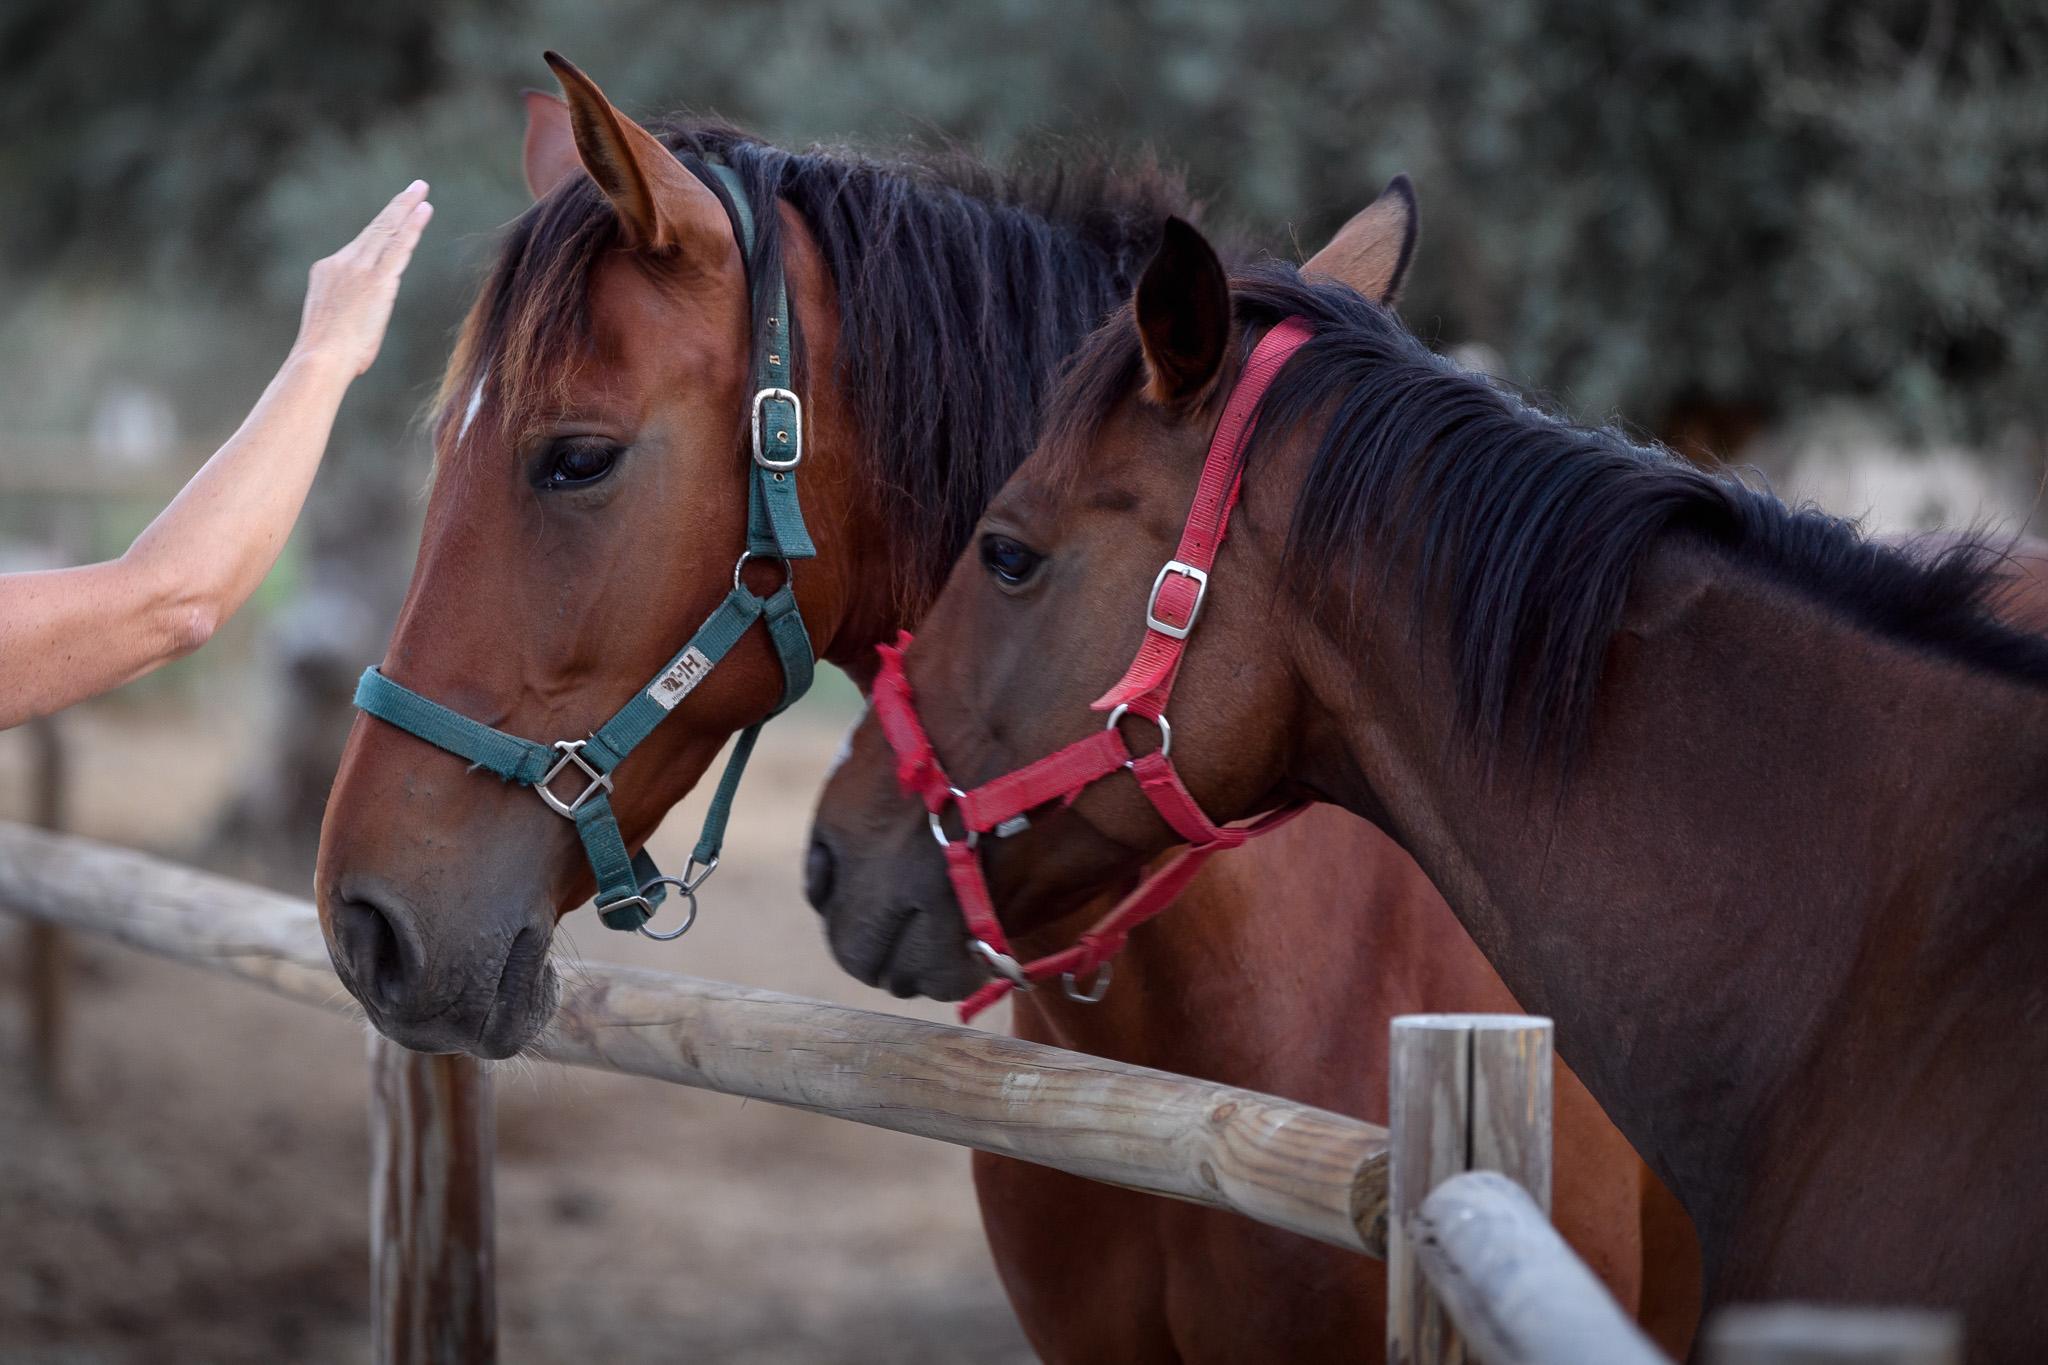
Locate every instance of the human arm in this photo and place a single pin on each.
(68, 634)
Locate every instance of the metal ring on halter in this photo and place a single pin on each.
(788, 573)
(1165, 729)
(1002, 964)
(689, 895)
(939, 825)
(1097, 988)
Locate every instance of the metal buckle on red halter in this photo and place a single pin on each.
(1002, 806)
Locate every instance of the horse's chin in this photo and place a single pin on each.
(908, 951)
(515, 1022)
(492, 1027)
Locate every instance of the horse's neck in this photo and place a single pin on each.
(1784, 831)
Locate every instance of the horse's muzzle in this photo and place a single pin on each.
(490, 1005)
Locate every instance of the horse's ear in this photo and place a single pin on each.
(1371, 252)
(549, 156)
(1183, 311)
(662, 207)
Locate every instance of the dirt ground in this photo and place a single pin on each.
(202, 1194)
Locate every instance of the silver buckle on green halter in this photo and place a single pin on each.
(791, 436)
(571, 751)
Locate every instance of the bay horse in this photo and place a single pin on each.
(588, 505)
(1752, 806)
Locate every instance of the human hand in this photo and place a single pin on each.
(349, 294)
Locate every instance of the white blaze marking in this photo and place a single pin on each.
(476, 401)
(839, 756)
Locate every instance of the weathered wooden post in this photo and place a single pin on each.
(1468, 1092)
(1809, 1334)
(433, 1293)
(46, 961)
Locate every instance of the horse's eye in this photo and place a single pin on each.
(1007, 560)
(578, 462)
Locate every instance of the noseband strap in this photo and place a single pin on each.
(629, 885)
(1003, 805)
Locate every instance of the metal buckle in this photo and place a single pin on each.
(788, 572)
(1165, 730)
(571, 753)
(1188, 571)
(1097, 988)
(796, 422)
(939, 825)
(1002, 964)
(689, 894)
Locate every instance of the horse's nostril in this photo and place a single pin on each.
(376, 959)
(818, 874)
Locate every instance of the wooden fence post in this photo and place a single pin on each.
(1808, 1334)
(1468, 1092)
(433, 1294)
(47, 959)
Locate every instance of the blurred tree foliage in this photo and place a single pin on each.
(1756, 203)
(1638, 205)
(161, 122)
(1643, 207)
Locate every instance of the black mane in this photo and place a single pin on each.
(961, 291)
(1529, 529)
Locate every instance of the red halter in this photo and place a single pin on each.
(1002, 805)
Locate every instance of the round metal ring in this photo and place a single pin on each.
(1001, 963)
(788, 573)
(689, 919)
(939, 825)
(1097, 988)
(1165, 727)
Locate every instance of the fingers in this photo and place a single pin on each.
(401, 204)
(349, 295)
(398, 252)
(375, 239)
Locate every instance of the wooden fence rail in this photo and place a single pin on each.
(1813, 1334)
(1516, 1293)
(1477, 1271)
(1291, 1165)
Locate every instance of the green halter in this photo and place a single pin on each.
(629, 887)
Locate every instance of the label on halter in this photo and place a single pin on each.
(682, 675)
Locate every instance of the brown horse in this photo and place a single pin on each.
(1752, 806)
(587, 511)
